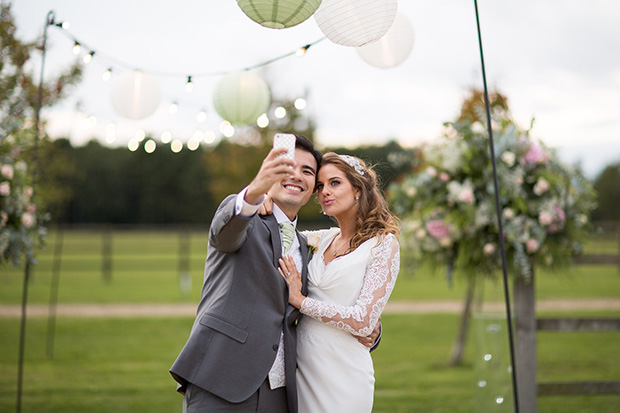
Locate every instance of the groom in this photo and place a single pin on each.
(240, 355)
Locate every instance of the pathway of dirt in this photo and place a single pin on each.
(189, 310)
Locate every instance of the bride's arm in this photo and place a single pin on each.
(360, 319)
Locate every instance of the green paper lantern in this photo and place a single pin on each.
(279, 14)
(241, 97)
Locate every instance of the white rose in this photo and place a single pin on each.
(541, 186)
(7, 171)
(509, 158)
(545, 218)
(509, 213)
(488, 249)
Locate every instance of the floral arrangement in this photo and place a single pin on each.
(21, 227)
(448, 206)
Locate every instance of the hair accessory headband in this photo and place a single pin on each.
(354, 163)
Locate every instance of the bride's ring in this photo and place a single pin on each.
(288, 273)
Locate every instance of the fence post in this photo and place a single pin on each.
(185, 279)
(51, 321)
(106, 264)
(525, 314)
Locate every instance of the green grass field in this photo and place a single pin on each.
(121, 364)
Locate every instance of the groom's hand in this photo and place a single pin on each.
(274, 169)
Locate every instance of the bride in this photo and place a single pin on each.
(350, 279)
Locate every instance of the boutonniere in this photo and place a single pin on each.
(313, 245)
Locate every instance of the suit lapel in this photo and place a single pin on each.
(274, 231)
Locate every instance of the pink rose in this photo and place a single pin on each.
(438, 229)
(27, 219)
(559, 215)
(431, 171)
(32, 208)
(531, 245)
(488, 249)
(467, 195)
(444, 177)
(545, 218)
(7, 171)
(5, 189)
(541, 186)
(535, 155)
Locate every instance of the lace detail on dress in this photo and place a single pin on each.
(360, 319)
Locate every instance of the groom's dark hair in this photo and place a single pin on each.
(306, 144)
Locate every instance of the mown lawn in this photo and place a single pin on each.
(120, 365)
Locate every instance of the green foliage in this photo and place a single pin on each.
(21, 225)
(116, 185)
(21, 221)
(448, 204)
(607, 186)
(390, 161)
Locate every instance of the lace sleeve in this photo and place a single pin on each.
(360, 319)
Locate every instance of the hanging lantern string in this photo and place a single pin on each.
(127, 66)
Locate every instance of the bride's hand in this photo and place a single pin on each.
(266, 207)
(369, 341)
(288, 270)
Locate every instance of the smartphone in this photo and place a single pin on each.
(285, 140)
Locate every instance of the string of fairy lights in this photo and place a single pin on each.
(88, 54)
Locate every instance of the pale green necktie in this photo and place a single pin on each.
(287, 231)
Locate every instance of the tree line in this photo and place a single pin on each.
(98, 184)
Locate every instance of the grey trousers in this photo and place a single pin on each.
(198, 400)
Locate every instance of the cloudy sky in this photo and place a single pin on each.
(557, 61)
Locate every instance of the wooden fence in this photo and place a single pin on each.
(584, 325)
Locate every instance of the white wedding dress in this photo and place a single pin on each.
(346, 296)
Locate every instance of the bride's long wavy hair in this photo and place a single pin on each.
(374, 217)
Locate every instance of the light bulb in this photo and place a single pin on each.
(201, 116)
(166, 137)
(140, 135)
(192, 144)
(107, 75)
(300, 103)
(176, 146)
(173, 108)
(149, 146)
(189, 86)
(280, 112)
(262, 121)
(133, 145)
(76, 48)
(87, 58)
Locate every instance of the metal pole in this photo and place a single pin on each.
(499, 217)
(49, 20)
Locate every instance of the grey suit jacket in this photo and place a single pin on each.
(242, 311)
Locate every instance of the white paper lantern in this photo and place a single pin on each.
(135, 95)
(355, 23)
(279, 14)
(241, 97)
(393, 48)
